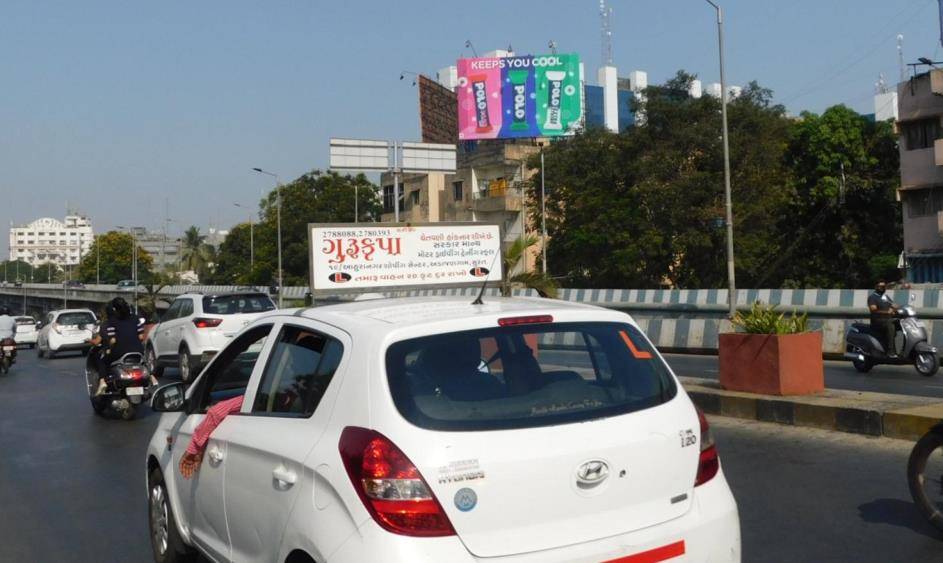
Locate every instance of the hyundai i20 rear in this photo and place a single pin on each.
(521, 430)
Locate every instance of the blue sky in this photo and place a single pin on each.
(117, 106)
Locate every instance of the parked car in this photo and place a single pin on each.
(73, 284)
(66, 330)
(126, 285)
(26, 331)
(432, 429)
(197, 326)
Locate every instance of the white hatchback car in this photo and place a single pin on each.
(197, 326)
(26, 333)
(425, 429)
(66, 330)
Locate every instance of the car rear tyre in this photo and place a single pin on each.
(39, 352)
(926, 363)
(166, 543)
(185, 365)
(152, 365)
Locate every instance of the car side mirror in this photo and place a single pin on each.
(169, 398)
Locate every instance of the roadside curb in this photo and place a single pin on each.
(873, 414)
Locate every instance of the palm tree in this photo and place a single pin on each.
(192, 251)
(538, 281)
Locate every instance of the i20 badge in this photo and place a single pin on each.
(465, 499)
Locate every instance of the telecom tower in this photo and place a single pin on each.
(605, 14)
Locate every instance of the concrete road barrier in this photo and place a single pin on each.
(874, 414)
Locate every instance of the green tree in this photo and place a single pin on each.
(316, 197)
(538, 281)
(14, 270)
(112, 252)
(645, 208)
(48, 272)
(233, 264)
(843, 226)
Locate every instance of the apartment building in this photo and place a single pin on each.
(46, 240)
(920, 108)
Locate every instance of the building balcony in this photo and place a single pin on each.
(497, 197)
(922, 167)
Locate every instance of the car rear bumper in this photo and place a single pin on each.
(26, 338)
(710, 531)
(65, 346)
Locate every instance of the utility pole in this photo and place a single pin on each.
(732, 297)
(278, 212)
(543, 212)
(395, 184)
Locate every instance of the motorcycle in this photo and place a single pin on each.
(127, 386)
(7, 354)
(925, 475)
(865, 350)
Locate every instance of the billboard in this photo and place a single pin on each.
(437, 118)
(360, 257)
(529, 96)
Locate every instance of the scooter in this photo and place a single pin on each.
(865, 350)
(7, 354)
(128, 384)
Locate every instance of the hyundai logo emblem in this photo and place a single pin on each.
(592, 472)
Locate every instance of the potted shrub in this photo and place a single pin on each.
(771, 354)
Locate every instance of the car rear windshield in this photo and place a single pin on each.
(236, 304)
(76, 319)
(526, 376)
(25, 321)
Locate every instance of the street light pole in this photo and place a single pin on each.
(98, 277)
(732, 297)
(278, 214)
(543, 212)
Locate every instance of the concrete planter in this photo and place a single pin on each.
(772, 364)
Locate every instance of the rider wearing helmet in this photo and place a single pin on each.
(122, 333)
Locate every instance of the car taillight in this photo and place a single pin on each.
(708, 462)
(206, 323)
(529, 320)
(57, 327)
(390, 486)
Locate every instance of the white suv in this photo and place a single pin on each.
(430, 430)
(197, 326)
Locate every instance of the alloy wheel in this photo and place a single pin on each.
(159, 512)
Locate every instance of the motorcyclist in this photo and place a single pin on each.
(120, 334)
(883, 309)
(7, 324)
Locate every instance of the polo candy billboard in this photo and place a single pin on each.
(529, 96)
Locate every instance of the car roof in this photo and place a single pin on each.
(60, 311)
(224, 294)
(412, 311)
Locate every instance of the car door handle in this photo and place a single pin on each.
(285, 477)
(216, 456)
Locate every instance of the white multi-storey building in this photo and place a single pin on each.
(45, 240)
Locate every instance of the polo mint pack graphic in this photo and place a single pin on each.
(514, 97)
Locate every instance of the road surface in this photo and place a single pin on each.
(72, 484)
